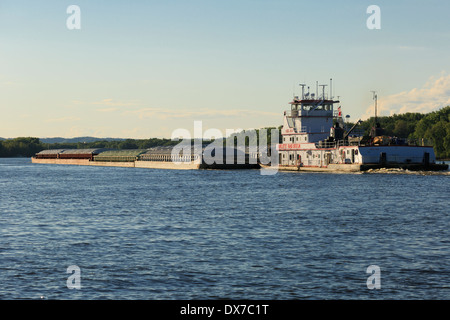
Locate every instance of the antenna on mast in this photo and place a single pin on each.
(303, 90)
(331, 89)
(375, 97)
(323, 90)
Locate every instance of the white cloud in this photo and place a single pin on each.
(160, 113)
(115, 103)
(108, 104)
(411, 48)
(9, 83)
(108, 109)
(434, 94)
(63, 119)
(136, 109)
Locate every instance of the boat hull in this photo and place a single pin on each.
(358, 158)
(148, 164)
(364, 167)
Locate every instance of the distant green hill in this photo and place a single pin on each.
(78, 139)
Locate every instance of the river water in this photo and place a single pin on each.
(167, 234)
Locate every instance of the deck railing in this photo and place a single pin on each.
(337, 144)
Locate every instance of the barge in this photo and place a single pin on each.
(153, 158)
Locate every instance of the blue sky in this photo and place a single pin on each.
(142, 69)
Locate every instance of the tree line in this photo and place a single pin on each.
(28, 146)
(431, 128)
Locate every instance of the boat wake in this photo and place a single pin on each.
(405, 171)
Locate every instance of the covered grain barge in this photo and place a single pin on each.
(153, 158)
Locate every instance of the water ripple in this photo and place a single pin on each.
(161, 234)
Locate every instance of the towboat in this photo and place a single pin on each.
(314, 138)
